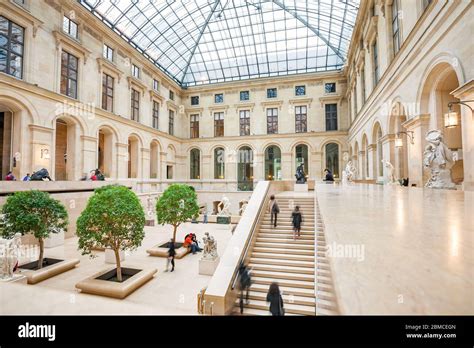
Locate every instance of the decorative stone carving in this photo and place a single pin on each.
(223, 207)
(243, 206)
(350, 171)
(439, 159)
(390, 179)
(210, 247)
(300, 174)
(9, 254)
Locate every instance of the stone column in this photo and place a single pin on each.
(286, 173)
(361, 172)
(316, 165)
(388, 154)
(42, 148)
(144, 169)
(419, 125)
(90, 159)
(207, 171)
(162, 164)
(372, 148)
(258, 168)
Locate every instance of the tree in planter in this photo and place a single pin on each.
(176, 205)
(34, 212)
(113, 219)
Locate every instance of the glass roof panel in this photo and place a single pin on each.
(207, 41)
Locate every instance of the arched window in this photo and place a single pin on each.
(301, 157)
(219, 163)
(332, 158)
(195, 165)
(273, 163)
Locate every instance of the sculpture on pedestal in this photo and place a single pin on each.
(439, 159)
(243, 206)
(210, 247)
(223, 207)
(300, 174)
(9, 254)
(390, 172)
(350, 171)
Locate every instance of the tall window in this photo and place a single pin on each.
(156, 114)
(395, 26)
(194, 126)
(219, 163)
(244, 122)
(376, 63)
(271, 93)
(135, 102)
(135, 71)
(107, 93)
(69, 67)
(11, 54)
(332, 158)
(355, 100)
(301, 157)
(218, 98)
(301, 124)
(244, 95)
(194, 158)
(156, 85)
(171, 95)
(108, 53)
(330, 87)
(362, 82)
(171, 122)
(70, 27)
(195, 100)
(272, 121)
(300, 90)
(218, 124)
(331, 117)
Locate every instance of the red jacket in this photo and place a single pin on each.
(188, 241)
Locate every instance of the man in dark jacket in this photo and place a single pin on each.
(244, 285)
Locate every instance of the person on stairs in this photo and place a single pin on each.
(245, 281)
(274, 209)
(297, 219)
(276, 300)
(171, 255)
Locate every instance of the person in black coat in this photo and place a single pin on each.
(297, 219)
(245, 281)
(171, 255)
(276, 300)
(328, 175)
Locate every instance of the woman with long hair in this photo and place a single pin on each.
(276, 300)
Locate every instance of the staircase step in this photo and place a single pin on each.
(289, 308)
(287, 298)
(285, 245)
(324, 311)
(283, 275)
(302, 238)
(302, 292)
(288, 283)
(288, 240)
(281, 268)
(322, 303)
(294, 263)
(283, 251)
(282, 229)
(283, 257)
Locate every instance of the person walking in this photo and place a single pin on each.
(297, 219)
(245, 281)
(276, 300)
(171, 255)
(10, 177)
(274, 209)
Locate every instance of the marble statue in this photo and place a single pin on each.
(9, 254)
(210, 247)
(223, 207)
(390, 172)
(300, 174)
(439, 159)
(243, 206)
(151, 203)
(350, 171)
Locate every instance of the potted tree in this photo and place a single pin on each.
(113, 219)
(176, 205)
(36, 212)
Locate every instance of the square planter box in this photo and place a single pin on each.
(51, 267)
(110, 256)
(161, 250)
(54, 240)
(101, 283)
(223, 219)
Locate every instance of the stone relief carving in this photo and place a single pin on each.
(9, 254)
(210, 247)
(438, 158)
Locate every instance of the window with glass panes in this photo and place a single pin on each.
(219, 163)
(171, 95)
(244, 122)
(244, 95)
(70, 27)
(272, 120)
(376, 62)
(156, 84)
(194, 125)
(156, 114)
(195, 100)
(218, 124)
(395, 26)
(300, 90)
(11, 52)
(69, 72)
(301, 124)
(107, 92)
(108, 53)
(135, 103)
(330, 87)
(135, 71)
(331, 117)
(171, 122)
(271, 93)
(218, 98)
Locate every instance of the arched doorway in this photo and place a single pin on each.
(272, 163)
(245, 169)
(133, 148)
(332, 158)
(195, 164)
(105, 150)
(154, 159)
(301, 157)
(66, 135)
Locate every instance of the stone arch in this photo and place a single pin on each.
(155, 155)
(272, 161)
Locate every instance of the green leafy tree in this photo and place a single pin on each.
(113, 219)
(33, 212)
(176, 205)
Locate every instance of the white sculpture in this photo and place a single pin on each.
(390, 172)
(151, 203)
(210, 247)
(9, 254)
(243, 206)
(439, 159)
(223, 207)
(350, 171)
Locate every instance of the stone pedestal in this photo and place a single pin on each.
(223, 219)
(208, 267)
(54, 240)
(150, 222)
(301, 188)
(110, 256)
(17, 278)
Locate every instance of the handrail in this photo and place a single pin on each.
(249, 239)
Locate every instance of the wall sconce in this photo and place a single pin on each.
(45, 153)
(451, 118)
(399, 140)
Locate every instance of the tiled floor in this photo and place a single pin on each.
(167, 293)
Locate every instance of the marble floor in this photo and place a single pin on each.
(168, 293)
(398, 250)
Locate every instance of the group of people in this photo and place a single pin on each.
(94, 175)
(274, 295)
(39, 175)
(190, 241)
(296, 216)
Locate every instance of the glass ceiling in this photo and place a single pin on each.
(207, 41)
